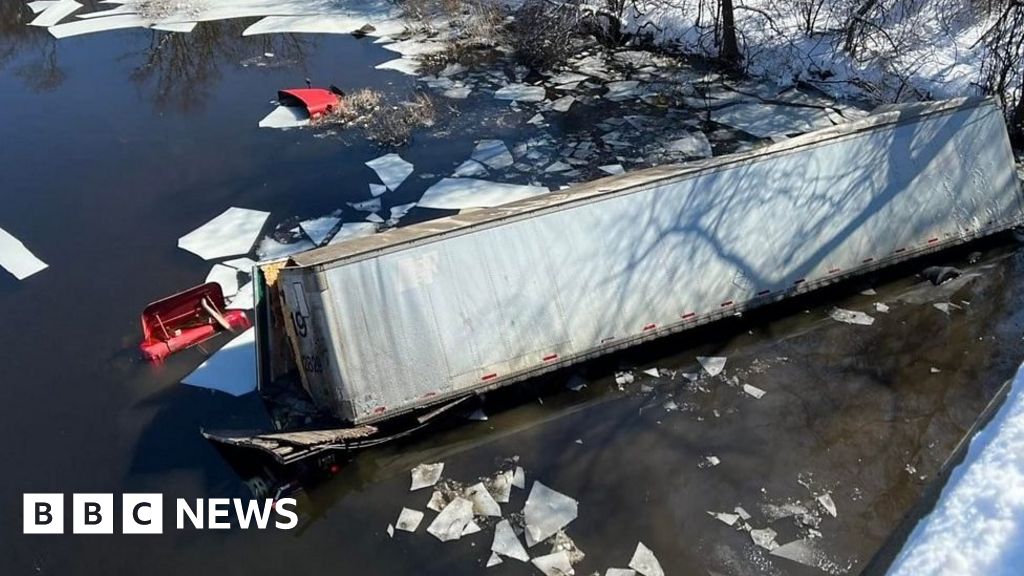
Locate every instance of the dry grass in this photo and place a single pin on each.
(384, 122)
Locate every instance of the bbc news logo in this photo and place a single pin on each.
(144, 514)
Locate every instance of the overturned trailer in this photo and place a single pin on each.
(399, 322)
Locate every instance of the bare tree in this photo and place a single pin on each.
(730, 50)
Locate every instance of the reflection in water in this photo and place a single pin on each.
(39, 70)
(182, 70)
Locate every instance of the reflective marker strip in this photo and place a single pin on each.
(834, 270)
(689, 315)
(550, 357)
(866, 260)
(490, 376)
(933, 240)
(650, 327)
(726, 303)
(898, 250)
(763, 292)
(380, 409)
(800, 281)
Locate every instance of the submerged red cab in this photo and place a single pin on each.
(317, 101)
(186, 319)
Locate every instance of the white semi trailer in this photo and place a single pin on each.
(399, 321)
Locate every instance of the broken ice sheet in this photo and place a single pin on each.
(546, 512)
(622, 90)
(563, 103)
(828, 504)
(623, 378)
(501, 486)
(244, 298)
(405, 65)
(391, 169)
(409, 520)
(493, 153)
(462, 193)
(881, 308)
(351, 230)
(286, 117)
(519, 478)
(426, 475)
(556, 564)
(371, 205)
(804, 552)
(16, 258)
(619, 572)
(766, 120)
(765, 538)
(507, 543)
(494, 560)
(377, 189)
(520, 93)
(271, 249)
(319, 229)
(851, 317)
(226, 276)
(644, 561)
(753, 391)
(724, 517)
(713, 365)
(471, 528)
(693, 145)
(453, 520)
(483, 503)
(437, 501)
(55, 13)
(232, 233)
(612, 169)
(232, 369)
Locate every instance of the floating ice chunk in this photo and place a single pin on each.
(501, 487)
(753, 391)
(881, 308)
(324, 24)
(507, 543)
(712, 460)
(462, 193)
(765, 538)
(494, 560)
(452, 522)
(868, 292)
(622, 90)
(851, 317)
(537, 119)
(391, 531)
(319, 229)
(566, 78)
(242, 264)
(828, 504)
(41, 5)
(556, 564)
(483, 503)
(437, 501)
(612, 169)
(179, 27)
(945, 307)
(405, 65)
(371, 205)
(226, 276)
(804, 552)
(351, 230)
(623, 378)
(713, 365)
(470, 168)
(546, 512)
(396, 213)
(391, 169)
(694, 145)
(416, 47)
(493, 153)
(426, 475)
(557, 166)
(55, 13)
(270, 249)
(409, 520)
(232, 369)
(766, 120)
(519, 478)
(232, 233)
(653, 372)
(725, 517)
(563, 104)
(743, 514)
(619, 572)
(644, 561)
(520, 93)
(471, 528)
(286, 117)
(377, 189)
(16, 258)
(458, 92)
(244, 298)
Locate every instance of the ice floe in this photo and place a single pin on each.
(754, 391)
(54, 13)
(16, 258)
(556, 564)
(493, 153)
(462, 193)
(426, 475)
(270, 249)
(232, 369)
(226, 276)
(520, 93)
(507, 543)
(644, 561)
(452, 522)
(405, 65)
(851, 317)
(546, 512)
(325, 24)
(232, 233)
(694, 145)
(391, 169)
(409, 520)
(766, 120)
(284, 117)
(350, 230)
(713, 365)
(483, 503)
(319, 229)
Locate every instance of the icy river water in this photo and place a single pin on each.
(113, 146)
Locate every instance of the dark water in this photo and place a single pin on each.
(113, 146)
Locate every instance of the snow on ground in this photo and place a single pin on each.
(977, 526)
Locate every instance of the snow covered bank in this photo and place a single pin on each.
(977, 526)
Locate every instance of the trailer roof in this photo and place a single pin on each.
(609, 187)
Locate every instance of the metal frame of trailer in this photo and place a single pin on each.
(312, 268)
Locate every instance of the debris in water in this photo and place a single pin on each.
(453, 520)
(753, 391)
(882, 308)
(232, 233)
(284, 117)
(712, 460)
(743, 514)
(713, 365)
(519, 478)
(462, 193)
(670, 406)
(556, 564)
(437, 501)
(546, 512)
(828, 504)
(623, 378)
(765, 538)
(494, 560)
(644, 561)
(409, 520)
(391, 169)
(563, 103)
(934, 370)
(16, 258)
(725, 517)
(426, 475)
(507, 543)
(652, 372)
(851, 317)
(945, 307)
(232, 369)
(576, 383)
(493, 153)
(391, 531)
(483, 503)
